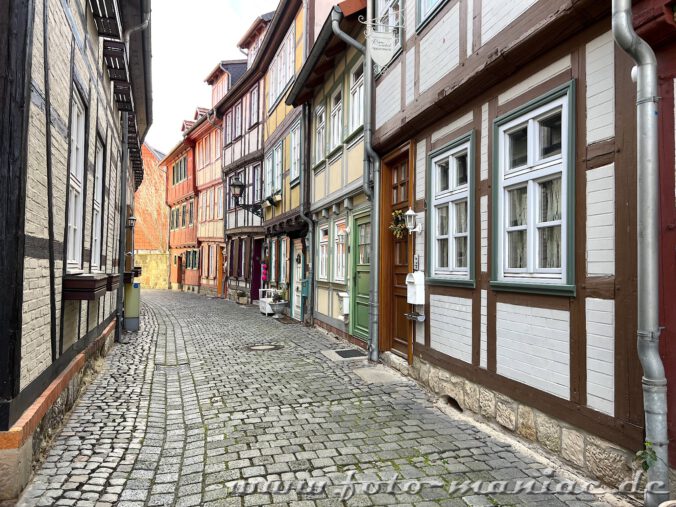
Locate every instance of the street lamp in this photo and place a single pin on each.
(237, 187)
(131, 222)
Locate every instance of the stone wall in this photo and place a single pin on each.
(597, 458)
(155, 273)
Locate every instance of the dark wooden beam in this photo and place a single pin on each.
(16, 46)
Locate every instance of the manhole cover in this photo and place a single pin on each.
(265, 347)
(350, 353)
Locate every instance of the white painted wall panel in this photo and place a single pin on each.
(420, 169)
(496, 15)
(483, 358)
(600, 224)
(420, 243)
(533, 347)
(483, 212)
(600, 88)
(451, 326)
(539, 77)
(388, 96)
(600, 317)
(484, 142)
(441, 47)
(465, 119)
(410, 75)
(409, 19)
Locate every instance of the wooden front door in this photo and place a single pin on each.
(361, 266)
(297, 263)
(397, 253)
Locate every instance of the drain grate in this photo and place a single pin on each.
(264, 347)
(350, 353)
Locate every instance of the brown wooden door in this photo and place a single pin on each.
(396, 329)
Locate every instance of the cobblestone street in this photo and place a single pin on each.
(185, 409)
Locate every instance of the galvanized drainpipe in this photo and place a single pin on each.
(122, 255)
(371, 160)
(309, 252)
(654, 381)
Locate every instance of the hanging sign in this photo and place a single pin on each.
(382, 46)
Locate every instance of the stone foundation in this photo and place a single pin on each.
(597, 458)
(24, 445)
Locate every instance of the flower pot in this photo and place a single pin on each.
(242, 300)
(278, 308)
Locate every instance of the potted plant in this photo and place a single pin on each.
(242, 297)
(279, 302)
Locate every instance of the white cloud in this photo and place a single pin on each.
(189, 39)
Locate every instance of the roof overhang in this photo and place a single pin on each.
(326, 48)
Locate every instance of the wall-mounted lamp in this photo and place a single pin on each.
(341, 237)
(412, 221)
(131, 222)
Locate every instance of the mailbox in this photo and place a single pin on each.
(305, 287)
(344, 300)
(415, 288)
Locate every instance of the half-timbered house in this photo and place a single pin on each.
(76, 102)
(511, 135)
(331, 82)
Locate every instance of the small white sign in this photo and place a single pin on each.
(382, 46)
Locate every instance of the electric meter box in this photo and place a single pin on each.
(415, 288)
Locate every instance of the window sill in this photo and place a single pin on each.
(334, 151)
(424, 22)
(354, 135)
(318, 166)
(294, 182)
(451, 282)
(534, 288)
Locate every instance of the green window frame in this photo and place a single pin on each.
(525, 163)
(449, 197)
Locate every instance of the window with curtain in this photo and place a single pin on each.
(97, 222)
(323, 252)
(532, 195)
(320, 133)
(449, 221)
(336, 135)
(279, 167)
(357, 97)
(282, 260)
(339, 251)
(294, 171)
(75, 183)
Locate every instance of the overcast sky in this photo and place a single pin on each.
(189, 39)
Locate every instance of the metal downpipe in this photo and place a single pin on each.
(122, 254)
(311, 225)
(371, 169)
(654, 381)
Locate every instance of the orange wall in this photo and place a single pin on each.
(150, 209)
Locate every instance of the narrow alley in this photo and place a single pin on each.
(185, 409)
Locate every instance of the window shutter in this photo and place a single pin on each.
(247, 257)
(235, 258)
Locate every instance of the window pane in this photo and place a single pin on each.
(461, 217)
(517, 249)
(518, 206)
(442, 175)
(442, 221)
(550, 200)
(461, 252)
(461, 170)
(550, 247)
(550, 136)
(442, 253)
(518, 147)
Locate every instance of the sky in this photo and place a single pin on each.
(189, 38)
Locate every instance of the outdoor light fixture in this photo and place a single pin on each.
(411, 221)
(131, 222)
(237, 187)
(341, 237)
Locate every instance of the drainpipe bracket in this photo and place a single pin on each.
(650, 336)
(653, 99)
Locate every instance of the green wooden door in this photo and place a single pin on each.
(361, 262)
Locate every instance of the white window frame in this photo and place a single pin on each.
(339, 252)
(282, 68)
(357, 97)
(75, 184)
(449, 197)
(273, 261)
(238, 120)
(257, 181)
(323, 253)
(253, 106)
(269, 178)
(219, 199)
(278, 167)
(97, 223)
(212, 261)
(425, 8)
(294, 170)
(282, 260)
(336, 136)
(536, 171)
(228, 127)
(320, 133)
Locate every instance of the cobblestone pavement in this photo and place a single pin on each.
(185, 409)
